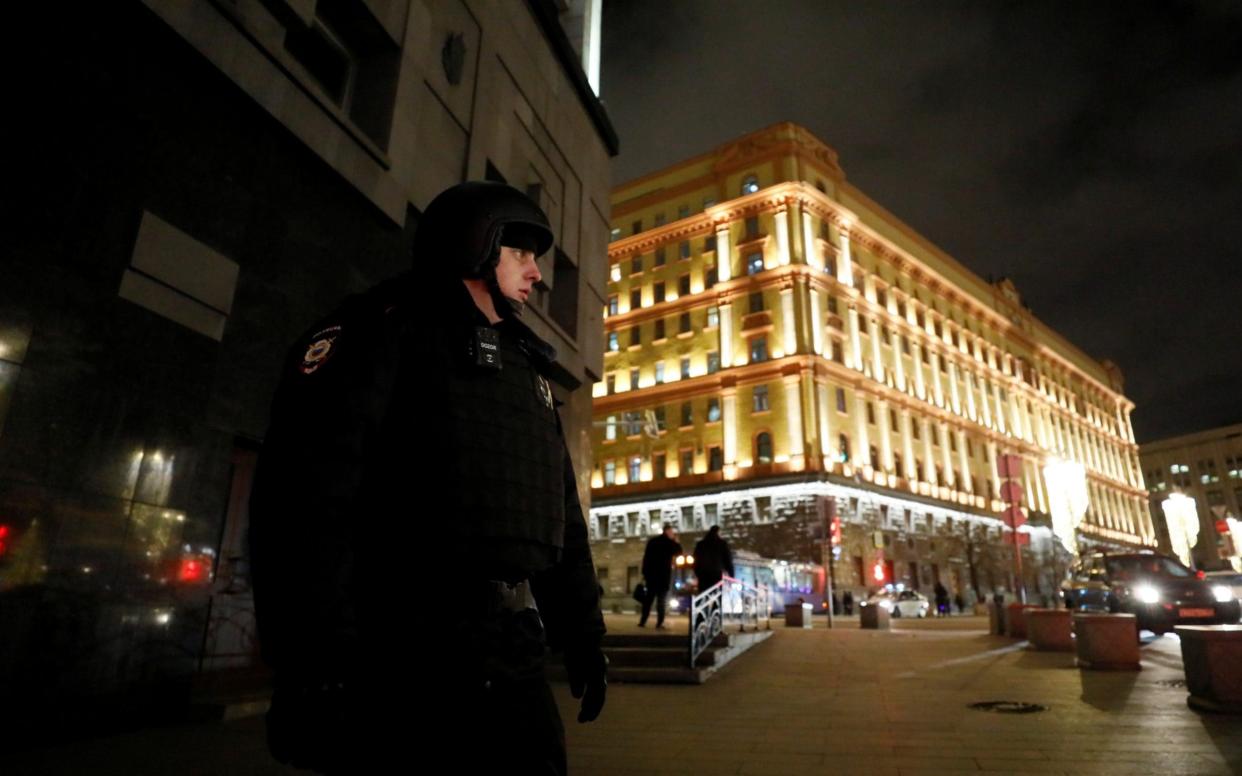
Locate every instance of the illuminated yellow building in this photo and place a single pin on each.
(768, 326)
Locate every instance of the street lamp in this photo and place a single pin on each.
(1182, 517)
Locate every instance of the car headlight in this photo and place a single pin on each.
(674, 604)
(1147, 594)
(1222, 593)
(887, 605)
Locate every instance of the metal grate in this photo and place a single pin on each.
(1008, 707)
(1177, 684)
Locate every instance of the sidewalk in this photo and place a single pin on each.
(816, 701)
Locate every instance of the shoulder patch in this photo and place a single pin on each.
(320, 349)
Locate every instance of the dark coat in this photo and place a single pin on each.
(658, 562)
(712, 560)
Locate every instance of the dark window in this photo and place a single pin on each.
(870, 413)
(636, 227)
(636, 265)
(759, 399)
(636, 299)
(687, 414)
(892, 418)
(759, 349)
(713, 409)
(715, 459)
(685, 367)
(875, 457)
(634, 379)
(687, 462)
(832, 305)
(713, 362)
(636, 336)
(914, 430)
(752, 227)
(843, 447)
(683, 249)
(659, 257)
(841, 400)
(659, 329)
(709, 276)
(611, 382)
(683, 211)
(683, 323)
(657, 292)
(755, 302)
(683, 285)
(612, 304)
(881, 297)
(657, 466)
(953, 442)
(763, 448)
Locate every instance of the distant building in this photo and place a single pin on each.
(774, 337)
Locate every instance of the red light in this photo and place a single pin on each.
(4, 536)
(877, 571)
(1200, 575)
(192, 570)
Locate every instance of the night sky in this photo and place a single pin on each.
(1091, 151)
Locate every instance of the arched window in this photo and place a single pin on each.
(763, 447)
(843, 446)
(750, 184)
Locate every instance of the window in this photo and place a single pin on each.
(683, 285)
(754, 263)
(914, 429)
(613, 344)
(763, 448)
(685, 367)
(610, 428)
(715, 458)
(970, 448)
(953, 442)
(708, 202)
(659, 420)
(709, 276)
(687, 414)
(832, 305)
(841, 400)
(615, 234)
(755, 302)
(752, 227)
(658, 465)
(905, 345)
(636, 227)
(659, 219)
(935, 436)
(636, 265)
(843, 448)
(636, 336)
(683, 249)
(634, 379)
(612, 304)
(838, 354)
(660, 255)
(683, 323)
(871, 413)
(892, 419)
(659, 372)
(659, 329)
(636, 299)
(632, 423)
(687, 461)
(657, 292)
(713, 409)
(610, 472)
(881, 297)
(875, 456)
(750, 184)
(759, 399)
(683, 211)
(759, 349)
(636, 469)
(713, 316)
(709, 243)
(713, 362)
(611, 382)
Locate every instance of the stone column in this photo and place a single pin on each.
(724, 253)
(726, 335)
(793, 415)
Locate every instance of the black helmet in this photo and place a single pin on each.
(465, 225)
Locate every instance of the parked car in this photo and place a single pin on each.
(1157, 589)
(902, 603)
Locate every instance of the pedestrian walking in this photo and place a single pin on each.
(847, 602)
(658, 572)
(712, 559)
(942, 599)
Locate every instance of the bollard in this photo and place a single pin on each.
(1212, 657)
(1107, 641)
(798, 615)
(996, 618)
(1015, 620)
(1050, 629)
(873, 617)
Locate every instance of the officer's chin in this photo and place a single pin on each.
(515, 305)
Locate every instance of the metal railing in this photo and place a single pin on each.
(729, 600)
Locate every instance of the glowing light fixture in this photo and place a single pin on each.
(1068, 499)
(1182, 517)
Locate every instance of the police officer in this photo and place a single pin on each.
(417, 541)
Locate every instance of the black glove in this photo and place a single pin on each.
(306, 724)
(587, 667)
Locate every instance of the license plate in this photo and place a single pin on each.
(1195, 612)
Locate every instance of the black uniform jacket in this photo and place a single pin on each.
(398, 475)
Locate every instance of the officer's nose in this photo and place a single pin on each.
(534, 274)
